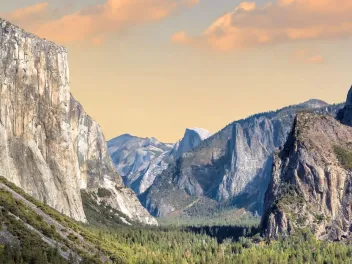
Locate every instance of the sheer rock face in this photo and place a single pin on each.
(139, 160)
(250, 152)
(311, 185)
(232, 166)
(48, 145)
(191, 139)
(345, 115)
(97, 169)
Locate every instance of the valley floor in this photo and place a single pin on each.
(32, 232)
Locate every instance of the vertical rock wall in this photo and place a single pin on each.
(48, 145)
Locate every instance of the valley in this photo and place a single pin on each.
(275, 187)
(230, 169)
(32, 232)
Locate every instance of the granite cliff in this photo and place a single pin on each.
(49, 146)
(191, 139)
(311, 185)
(140, 160)
(231, 168)
(311, 181)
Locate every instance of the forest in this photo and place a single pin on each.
(169, 243)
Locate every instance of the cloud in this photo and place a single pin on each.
(98, 41)
(249, 25)
(307, 57)
(33, 13)
(180, 37)
(95, 22)
(29, 12)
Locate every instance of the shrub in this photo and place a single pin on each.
(344, 156)
(102, 193)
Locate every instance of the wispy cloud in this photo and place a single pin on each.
(95, 22)
(31, 14)
(250, 25)
(307, 57)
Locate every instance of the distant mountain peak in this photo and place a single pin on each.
(136, 157)
(123, 136)
(232, 167)
(314, 103)
(191, 139)
(349, 97)
(140, 160)
(203, 133)
(153, 141)
(345, 115)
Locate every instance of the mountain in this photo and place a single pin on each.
(311, 184)
(345, 114)
(140, 160)
(231, 168)
(32, 232)
(311, 179)
(191, 139)
(49, 146)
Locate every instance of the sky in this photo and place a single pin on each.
(153, 68)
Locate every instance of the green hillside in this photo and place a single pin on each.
(32, 232)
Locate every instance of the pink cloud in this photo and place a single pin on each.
(307, 57)
(249, 25)
(36, 12)
(97, 21)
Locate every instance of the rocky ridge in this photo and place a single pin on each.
(191, 139)
(311, 181)
(232, 167)
(140, 160)
(49, 146)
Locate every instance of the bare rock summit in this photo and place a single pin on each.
(311, 185)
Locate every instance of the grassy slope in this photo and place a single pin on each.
(48, 224)
(107, 239)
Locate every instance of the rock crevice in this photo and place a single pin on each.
(48, 145)
(311, 180)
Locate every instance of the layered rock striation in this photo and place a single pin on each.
(140, 160)
(49, 146)
(311, 185)
(232, 167)
(191, 139)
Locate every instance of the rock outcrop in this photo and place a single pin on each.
(48, 145)
(345, 114)
(311, 185)
(139, 160)
(232, 167)
(191, 139)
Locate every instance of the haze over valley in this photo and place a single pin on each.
(184, 132)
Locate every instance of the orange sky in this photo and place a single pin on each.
(155, 67)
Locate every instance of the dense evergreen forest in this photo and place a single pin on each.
(172, 245)
(235, 243)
